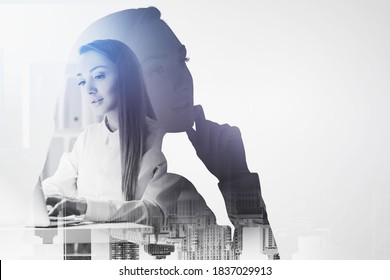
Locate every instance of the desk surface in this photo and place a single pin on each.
(82, 225)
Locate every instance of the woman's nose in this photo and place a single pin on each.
(91, 89)
(183, 81)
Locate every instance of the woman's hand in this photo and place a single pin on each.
(66, 206)
(220, 147)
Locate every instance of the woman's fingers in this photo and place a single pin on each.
(53, 200)
(58, 209)
(62, 208)
(220, 147)
(69, 206)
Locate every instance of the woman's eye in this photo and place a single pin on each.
(100, 77)
(81, 83)
(157, 71)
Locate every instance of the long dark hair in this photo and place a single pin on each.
(133, 107)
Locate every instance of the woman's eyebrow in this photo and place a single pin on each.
(91, 70)
(96, 67)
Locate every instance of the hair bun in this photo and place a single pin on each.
(152, 12)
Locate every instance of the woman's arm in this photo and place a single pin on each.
(157, 202)
(63, 181)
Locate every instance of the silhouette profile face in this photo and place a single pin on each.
(97, 78)
(167, 79)
(162, 60)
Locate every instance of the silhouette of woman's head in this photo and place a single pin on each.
(162, 58)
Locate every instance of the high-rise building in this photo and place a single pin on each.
(123, 250)
(159, 251)
(246, 207)
(269, 246)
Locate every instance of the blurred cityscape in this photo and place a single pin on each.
(190, 234)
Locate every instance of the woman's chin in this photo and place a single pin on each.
(99, 110)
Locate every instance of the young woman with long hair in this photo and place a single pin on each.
(116, 167)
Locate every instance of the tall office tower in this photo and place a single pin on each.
(247, 209)
(188, 216)
(269, 246)
(237, 242)
(189, 245)
(159, 251)
(215, 243)
(123, 250)
(195, 224)
(208, 243)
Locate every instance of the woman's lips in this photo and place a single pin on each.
(97, 100)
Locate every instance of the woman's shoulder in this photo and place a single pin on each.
(186, 184)
(188, 190)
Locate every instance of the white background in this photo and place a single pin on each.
(307, 82)
(304, 270)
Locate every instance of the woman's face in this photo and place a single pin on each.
(97, 77)
(168, 81)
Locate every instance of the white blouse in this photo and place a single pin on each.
(93, 170)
